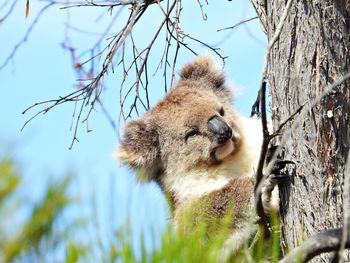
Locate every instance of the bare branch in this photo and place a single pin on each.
(260, 177)
(89, 95)
(289, 119)
(215, 50)
(2, 19)
(260, 7)
(25, 38)
(134, 97)
(110, 5)
(141, 70)
(263, 222)
(327, 241)
(238, 24)
(204, 15)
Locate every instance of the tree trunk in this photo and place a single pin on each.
(311, 53)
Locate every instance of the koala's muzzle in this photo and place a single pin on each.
(221, 130)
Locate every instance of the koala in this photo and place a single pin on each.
(198, 149)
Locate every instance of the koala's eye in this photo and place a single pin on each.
(222, 112)
(191, 133)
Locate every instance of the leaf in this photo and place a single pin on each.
(27, 8)
(74, 252)
(9, 179)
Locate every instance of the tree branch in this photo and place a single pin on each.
(2, 19)
(90, 79)
(327, 241)
(25, 38)
(238, 24)
(260, 177)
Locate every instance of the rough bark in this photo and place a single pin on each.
(311, 53)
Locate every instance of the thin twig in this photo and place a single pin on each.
(84, 95)
(289, 119)
(204, 15)
(88, 94)
(9, 12)
(215, 50)
(238, 24)
(25, 38)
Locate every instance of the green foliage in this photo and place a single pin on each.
(73, 252)
(8, 178)
(39, 225)
(196, 246)
(36, 239)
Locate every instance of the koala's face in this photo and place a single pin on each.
(192, 127)
(195, 128)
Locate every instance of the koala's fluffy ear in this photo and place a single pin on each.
(139, 149)
(203, 67)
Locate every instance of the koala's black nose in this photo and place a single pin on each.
(220, 129)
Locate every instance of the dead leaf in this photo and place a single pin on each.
(27, 8)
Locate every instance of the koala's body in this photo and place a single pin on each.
(200, 151)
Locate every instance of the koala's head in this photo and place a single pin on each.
(193, 127)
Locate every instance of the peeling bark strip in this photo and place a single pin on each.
(311, 53)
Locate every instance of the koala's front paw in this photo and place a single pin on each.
(278, 172)
(277, 175)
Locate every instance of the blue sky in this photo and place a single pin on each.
(42, 70)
